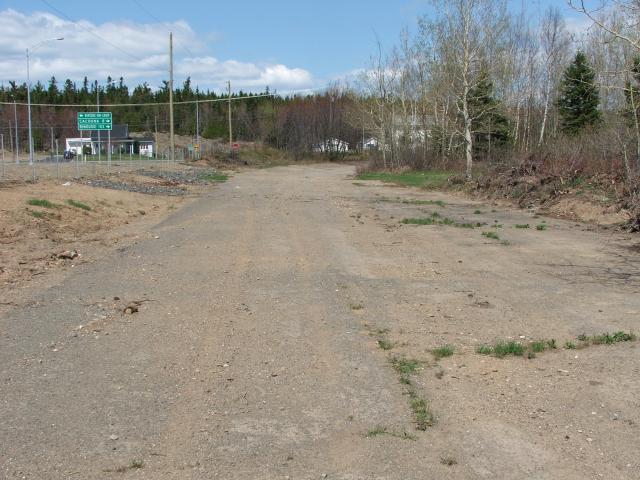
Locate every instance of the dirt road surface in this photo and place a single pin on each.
(255, 353)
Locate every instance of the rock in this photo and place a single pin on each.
(68, 255)
(114, 437)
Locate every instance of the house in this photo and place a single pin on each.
(119, 139)
(331, 145)
(369, 144)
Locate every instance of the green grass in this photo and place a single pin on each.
(404, 365)
(610, 339)
(385, 344)
(522, 225)
(38, 202)
(422, 414)
(569, 345)
(443, 351)
(430, 179)
(538, 346)
(420, 221)
(80, 205)
(436, 219)
(439, 203)
(477, 212)
(382, 430)
(37, 214)
(541, 228)
(356, 306)
(484, 350)
(501, 349)
(215, 177)
(491, 235)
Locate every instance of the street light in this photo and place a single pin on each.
(36, 46)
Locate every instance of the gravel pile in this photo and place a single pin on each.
(138, 187)
(187, 177)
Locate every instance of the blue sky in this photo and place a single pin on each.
(292, 44)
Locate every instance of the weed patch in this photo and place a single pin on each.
(37, 214)
(80, 205)
(421, 412)
(385, 344)
(404, 365)
(430, 179)
(214, 177)
(491, 235)
(522, 225)
(541, 228)
(442, 352)
(39, 202)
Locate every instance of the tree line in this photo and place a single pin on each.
(479, 82)
(292, 123)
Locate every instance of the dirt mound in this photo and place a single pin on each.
(599, 199)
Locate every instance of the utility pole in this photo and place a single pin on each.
(98, 109)
(230, 131)
(197, 130)
(171, 131)
(15, 114)
(155, 147)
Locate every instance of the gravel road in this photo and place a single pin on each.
(255, 353)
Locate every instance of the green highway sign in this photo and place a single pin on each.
(95, 121)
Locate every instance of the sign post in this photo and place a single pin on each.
(95, 121)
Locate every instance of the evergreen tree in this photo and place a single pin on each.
(579, 97)
(491, 128)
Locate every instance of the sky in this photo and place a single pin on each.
(288, 45)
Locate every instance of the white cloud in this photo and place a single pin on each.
(135, 51)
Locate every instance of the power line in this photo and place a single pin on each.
(145, 10)
(77, 24)
(151, 104)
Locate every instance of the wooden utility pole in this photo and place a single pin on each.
(230, 131)
(172, 139)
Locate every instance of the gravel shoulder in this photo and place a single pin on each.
(256, 351)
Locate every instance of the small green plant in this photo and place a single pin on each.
(491, 235)
(541, 228)
(569, 345)
(136, 464)
(551, 343)
(421, 412)
(522, 225)
(377, 431)
(419, 221)
(442, 352)
(80, 205)
(484, 350)
(404, 365)
(477, 212)
(385, 344)
(39, 202)
(610, 339)
(501, 349)
(538, 346)
(37, 214)
(215, 177)
(356, 306)
(439, 203)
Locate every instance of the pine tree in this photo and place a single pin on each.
(491, 128)
(579, 97)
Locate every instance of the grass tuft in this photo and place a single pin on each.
(385, 344)
(442, 352)
(541, 228)
(430, 179)
(215, 177)
(403, 365)
(491, 235)
(522, 225)
(501, 349)
(39, 202)
(80, 205)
